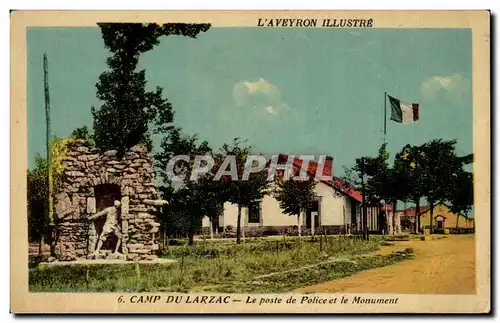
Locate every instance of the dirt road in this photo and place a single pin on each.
(440, 266)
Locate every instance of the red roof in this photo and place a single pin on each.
(387, 207)
(411, 210)
(337, 183)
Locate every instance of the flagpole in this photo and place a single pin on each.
(385, 116)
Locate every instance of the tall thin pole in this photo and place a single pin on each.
(48, 135)
(385, 116)
(364, 219)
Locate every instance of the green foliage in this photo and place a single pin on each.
(243, 192)
(408, 165)
(38, 203)
(440, 165)
(461, 196)
(432, 171)
(83, 133)
(176, 143)
(38, 187)
(128, 110)
(189, 200)
(295, 195)
(372, 176)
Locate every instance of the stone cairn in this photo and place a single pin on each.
(84, 168)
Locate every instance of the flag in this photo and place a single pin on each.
(403, 112)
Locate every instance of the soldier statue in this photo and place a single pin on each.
(110, 226)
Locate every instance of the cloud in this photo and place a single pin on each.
(270, 109)
(243, 90)
(260, 95)
(450, 87)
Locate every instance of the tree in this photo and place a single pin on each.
(38, 192)
(356, 177)
(461, 196)
(243, 193)
(408, 169)
(188, 203)
(375, 179)
(441, 166)
(128, 110)
(295, 196)
(38, 203)
(183, 213)
(214, 196)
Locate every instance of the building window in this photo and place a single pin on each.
(254, 213)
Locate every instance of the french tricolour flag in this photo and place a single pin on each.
(403, 112)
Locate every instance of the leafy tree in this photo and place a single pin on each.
(38, 191)
(461, 196)
(188, 205)
(178, 216)
(356, 177)
(128, 110)
(295, 196)
(243, 193)
(408, 169)
(385, 183)
(214, 197)
(38, 203)
(375, 179)
(441, 166)
(176, 143)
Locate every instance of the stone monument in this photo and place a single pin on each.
(107, 207)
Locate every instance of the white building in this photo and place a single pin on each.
(337, 210)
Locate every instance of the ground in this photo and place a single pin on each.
(438, 265)
(444, 265)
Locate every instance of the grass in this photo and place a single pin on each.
(223, 266)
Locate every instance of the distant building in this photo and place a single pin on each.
(443, 219)
(337, 210)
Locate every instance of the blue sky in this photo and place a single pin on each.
(296, 91)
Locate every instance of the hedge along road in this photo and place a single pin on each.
(440, 266)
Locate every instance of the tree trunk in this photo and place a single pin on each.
(299, 226)
(53, 240)
(458, 216)
(431, 216)
(396, 219)
(390, 222)
(191, 232)
(313, 223)
(365, 222)
(417, 217)
(238, 226)
(211, 229)
(40, 246)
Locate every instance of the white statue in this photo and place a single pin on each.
(110, 226)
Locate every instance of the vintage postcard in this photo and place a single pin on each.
(250, 162)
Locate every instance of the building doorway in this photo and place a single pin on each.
(440, 223)
(313, 212)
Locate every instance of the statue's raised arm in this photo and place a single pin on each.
(156, 202)
(98, 214)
